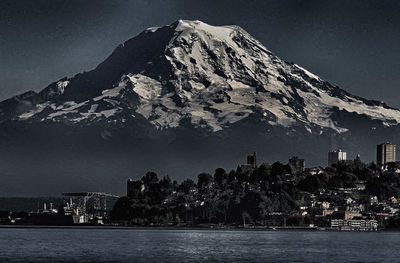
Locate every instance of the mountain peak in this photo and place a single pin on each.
(182, 25)
(184, 28)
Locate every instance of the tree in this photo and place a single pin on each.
(220, 176)
(310, 184)
(279, 169)
(150, 178)
(166, 182)
(121, 209)
(186, 185)
(204, 179)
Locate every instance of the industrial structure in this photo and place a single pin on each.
(86, 206)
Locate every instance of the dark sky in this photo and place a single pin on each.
(353, 44)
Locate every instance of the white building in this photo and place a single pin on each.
(363, 225)
(336, 156)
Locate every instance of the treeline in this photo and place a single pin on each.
(265, 195)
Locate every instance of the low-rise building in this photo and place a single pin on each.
(327, 212)
(325, 205)
(362, 225)
(351, 214)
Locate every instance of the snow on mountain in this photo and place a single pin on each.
(213, 76)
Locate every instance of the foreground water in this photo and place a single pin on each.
(171, 245)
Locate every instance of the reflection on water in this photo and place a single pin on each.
(172, 245)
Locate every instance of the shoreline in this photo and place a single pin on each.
(217, 228)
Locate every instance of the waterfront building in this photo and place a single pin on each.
(336, 156)
(385, 153)
(362, 225)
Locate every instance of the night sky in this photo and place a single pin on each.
(353, 44)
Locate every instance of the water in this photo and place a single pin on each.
(171, 245)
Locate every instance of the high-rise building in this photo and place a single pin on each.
(336, 156)
(297, 163)
(385, 153)
(252, 160)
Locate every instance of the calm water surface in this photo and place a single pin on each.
(169, 245)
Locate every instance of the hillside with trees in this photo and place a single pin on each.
(268, 195)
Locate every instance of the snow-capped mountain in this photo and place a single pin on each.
(212, 76)
(218, 83)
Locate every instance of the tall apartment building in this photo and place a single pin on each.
(336, 156)
(252, 160)
(385, 153)
(297, 163)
